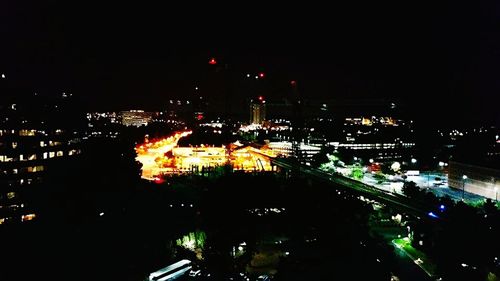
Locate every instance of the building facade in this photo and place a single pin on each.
(257, 111)
(35, 133)
(475, 179)
(135, 118)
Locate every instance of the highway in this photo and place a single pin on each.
(395, 201)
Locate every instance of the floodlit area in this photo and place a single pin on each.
(165, 157)
(152, 155)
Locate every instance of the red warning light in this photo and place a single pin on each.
(261, 75)
(261, 98)
(199, 116)
(293, 82)
(158, 180)
(212, 61)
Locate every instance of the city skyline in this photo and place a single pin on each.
(250, 142)
(141, 57)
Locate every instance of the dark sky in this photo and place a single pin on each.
(442, 59)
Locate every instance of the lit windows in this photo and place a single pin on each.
(27, 132)
(45, 155)
(52, 154)
(54, 143)
(14, 145)
(28, 217)
(74, 152)
(42, 143)
(35, 169)
(59, 153)
(11, 195)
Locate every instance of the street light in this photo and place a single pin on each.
(464, 177)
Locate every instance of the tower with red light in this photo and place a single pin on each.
(258, 110)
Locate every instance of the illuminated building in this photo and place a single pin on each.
(285, 149)
(165, 157)
(481, 180)
(135, 118)
(258, 111)
(37, 134)
(379, 138)
(373, 120)
(186, 158)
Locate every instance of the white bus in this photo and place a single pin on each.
(171, 272)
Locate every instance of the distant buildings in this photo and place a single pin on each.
(481, 180)
(135, 118)
(373, 121)
(377, 138)
(257, 110)
(284, 148)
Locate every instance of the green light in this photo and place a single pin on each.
(192, 241)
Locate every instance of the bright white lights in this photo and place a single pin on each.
(413, 160)
(3, 76)
(464, 177)
(395, 166)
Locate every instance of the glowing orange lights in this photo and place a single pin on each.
(165, 157)
(154, 155)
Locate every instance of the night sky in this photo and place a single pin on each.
(442, 60)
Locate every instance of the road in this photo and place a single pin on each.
(408, 270)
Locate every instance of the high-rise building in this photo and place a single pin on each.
(257, 110)
(36, 134)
